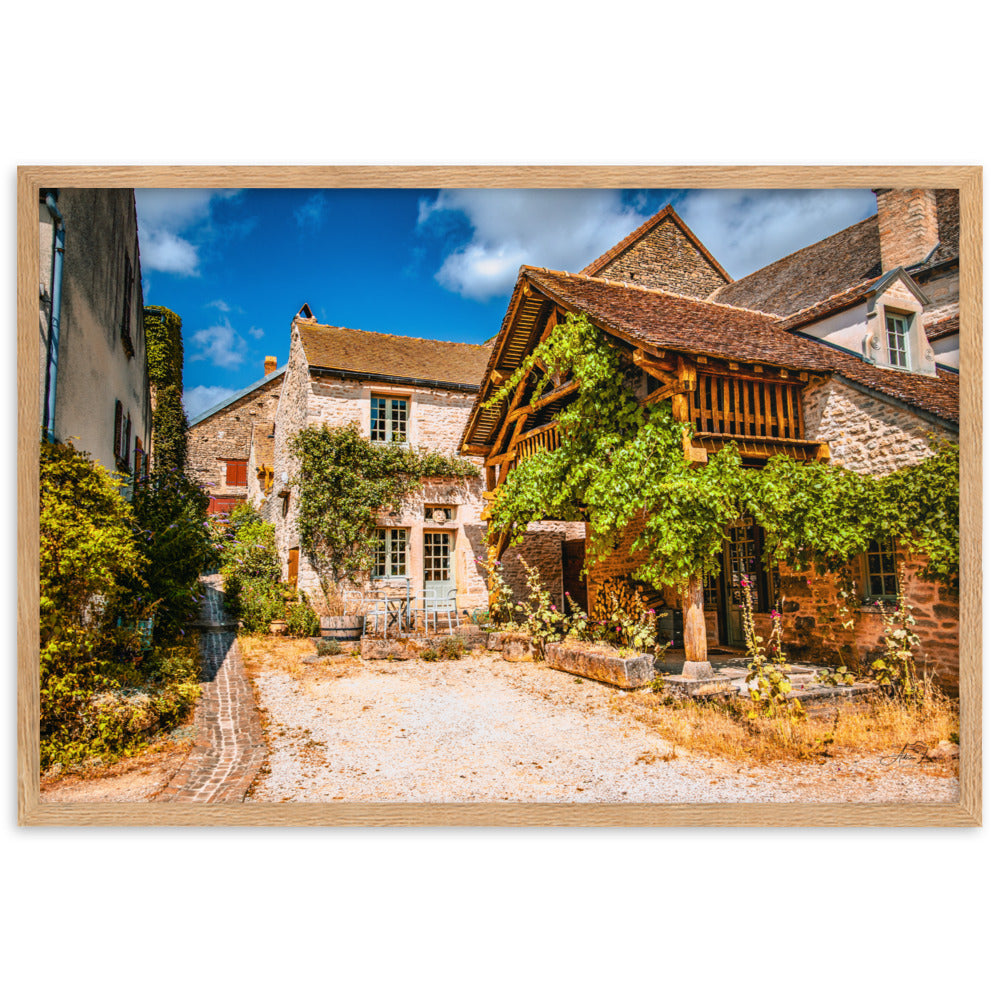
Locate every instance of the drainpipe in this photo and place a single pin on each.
(52, 351)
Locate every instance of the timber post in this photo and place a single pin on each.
(696, 662)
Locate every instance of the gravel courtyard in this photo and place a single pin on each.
(484, 730)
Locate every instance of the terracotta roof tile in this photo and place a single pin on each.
(833, 265)
(675, 322)
(811, 274)
(363, 352)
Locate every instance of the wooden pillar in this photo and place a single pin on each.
(696, 662)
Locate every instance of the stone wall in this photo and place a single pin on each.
(665, 258)
(814, 627)
(865, 433)
(226, 435)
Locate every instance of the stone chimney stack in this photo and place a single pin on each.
(270, 365)
(907, 225)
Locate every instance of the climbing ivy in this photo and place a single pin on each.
(344, 482)
(623, 463)
(165, 363)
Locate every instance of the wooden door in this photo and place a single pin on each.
(572, 567)
(293, 569)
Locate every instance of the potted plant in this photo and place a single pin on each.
(340, 619)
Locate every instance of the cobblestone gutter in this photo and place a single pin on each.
(229, 742)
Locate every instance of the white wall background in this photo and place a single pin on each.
(112, 913)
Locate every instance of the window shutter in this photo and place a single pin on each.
(126, 438)
(119, 413)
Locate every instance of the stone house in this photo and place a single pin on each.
(219, 439)
(92, 370)
(409, 391)
(833, 369)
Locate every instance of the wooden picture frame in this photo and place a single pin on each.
(967, 811)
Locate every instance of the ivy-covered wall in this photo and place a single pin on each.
(165, 364)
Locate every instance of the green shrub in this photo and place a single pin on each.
(452, 648)
(175, 537)
(301, 618)
(430, 654)
(260, 603)
(328, 647)
(251, 571)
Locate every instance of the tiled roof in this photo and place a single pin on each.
(832, 304)
(675, 322)
(941, 328)
(831, 266)
(811, 274)
(667, 212)
(363, 352)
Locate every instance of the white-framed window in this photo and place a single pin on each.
(390, 553)
(897, 335)
(880, 575)
(389, 419)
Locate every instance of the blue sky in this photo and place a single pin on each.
(237, 265)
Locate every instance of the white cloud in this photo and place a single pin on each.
(199, 398)
(310, 214)
(220, 305)
(256, 332)
(745, 230)
(564, 230)
(219, 344)
(173, 225)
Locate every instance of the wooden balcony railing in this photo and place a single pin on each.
(544, 438)
(746, 408)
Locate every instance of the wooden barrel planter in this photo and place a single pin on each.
(344, 628)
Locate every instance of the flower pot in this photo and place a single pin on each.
(345, 628)
(279, 626)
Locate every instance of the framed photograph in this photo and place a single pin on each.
(575, 496)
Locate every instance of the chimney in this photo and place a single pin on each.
(270, 365)
(907, 225)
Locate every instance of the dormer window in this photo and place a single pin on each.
(897, 332)
(389, 416)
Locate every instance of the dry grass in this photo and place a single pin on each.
(876, 725)
(275, 652)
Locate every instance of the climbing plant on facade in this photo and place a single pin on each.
(344, 482)
(623, 464)
(165, 363)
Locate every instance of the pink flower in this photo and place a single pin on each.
(809, 583)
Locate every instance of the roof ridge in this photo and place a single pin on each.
(238, 394)
(844, 293)
(379, 333)
(654, 291)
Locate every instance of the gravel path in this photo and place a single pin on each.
(483, 730)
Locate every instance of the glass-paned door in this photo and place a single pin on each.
(439, 576)
(742, 563)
